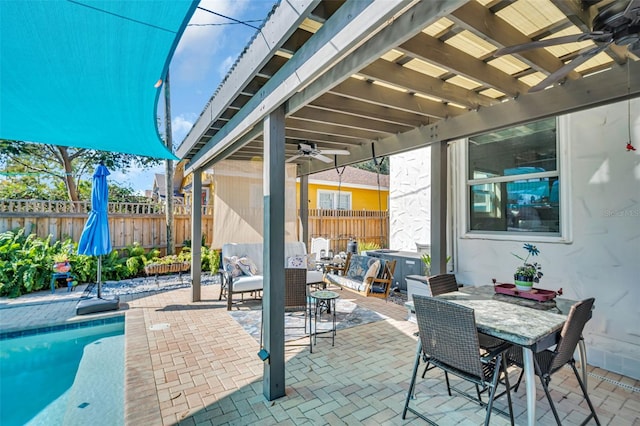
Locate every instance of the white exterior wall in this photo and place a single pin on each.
(410, 199)
(602, 257)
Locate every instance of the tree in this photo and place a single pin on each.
(55, 164)
(371, 166)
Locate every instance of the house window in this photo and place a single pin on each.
(329, 200)
(513, 180)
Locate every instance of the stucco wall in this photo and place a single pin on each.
(409, 199)
(601, 260)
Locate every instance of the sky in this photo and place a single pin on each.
(204, 55)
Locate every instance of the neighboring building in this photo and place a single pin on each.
(567, 185)
(357, 189)
(159, 191)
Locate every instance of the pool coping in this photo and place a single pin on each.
(71, 325)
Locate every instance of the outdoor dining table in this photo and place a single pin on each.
(534, 326)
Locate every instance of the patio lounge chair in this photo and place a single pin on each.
(549, 361)
(448, 339)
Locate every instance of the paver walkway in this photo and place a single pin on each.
(192, 364)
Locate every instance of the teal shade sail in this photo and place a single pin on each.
(82, 73)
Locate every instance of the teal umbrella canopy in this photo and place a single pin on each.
(95, 239)
(83, 73)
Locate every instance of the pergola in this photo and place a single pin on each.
(390, 77)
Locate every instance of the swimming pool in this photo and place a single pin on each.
(63, 375)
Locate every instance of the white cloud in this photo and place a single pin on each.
(181, 125)
(199, 44)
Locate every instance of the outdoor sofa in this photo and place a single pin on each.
(365, 274)
(242, 267)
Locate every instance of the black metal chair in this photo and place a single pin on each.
(448, 339)
(296, 300)
(296, 297)
(549, 361)
(442, 283)
(447, 283)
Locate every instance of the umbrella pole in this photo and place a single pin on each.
(100, 277)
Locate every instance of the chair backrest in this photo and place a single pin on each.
(319, 244)
(449, 335)
(571, 332)
(388, 270)
(295, 289)
(442, 283)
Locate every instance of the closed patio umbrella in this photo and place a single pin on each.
(95, 239)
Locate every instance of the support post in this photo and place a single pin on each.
(304, 209)
(273, 385)
(196, 236)
(171, 244)
(438, 208)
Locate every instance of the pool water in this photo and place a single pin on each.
(73, 375)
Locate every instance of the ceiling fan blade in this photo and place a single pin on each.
(335, 152)
(632, 12)
(322, 158)
(563, 71)
(304, 147)
(594, 35)
(295, 157)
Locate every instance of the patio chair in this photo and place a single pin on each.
(319, 246)
(442, 283)
(447, 283)
(339, 270)
(549, 361)
(296, 300)
(448, 339)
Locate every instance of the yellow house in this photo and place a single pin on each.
(357, 189)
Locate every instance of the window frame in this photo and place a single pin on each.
(334, 195)
(565, 234)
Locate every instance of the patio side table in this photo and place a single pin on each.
(324, 301)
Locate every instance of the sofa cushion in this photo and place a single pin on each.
(248, 266)
(372, 272)
(345, 282)
(297, 262)
(314, 277)
(231, 266)
(358, 266)
(246, 283)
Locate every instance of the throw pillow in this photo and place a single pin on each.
(311, 262)
(247, 266)
(231, 266)
(372, 272)
(298, 262)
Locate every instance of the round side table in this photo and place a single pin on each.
(324, 301)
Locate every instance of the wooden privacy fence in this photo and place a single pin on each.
(340, 226)
(145, 223)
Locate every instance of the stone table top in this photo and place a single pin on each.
(509, 321)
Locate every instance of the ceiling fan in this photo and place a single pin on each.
(310, 150)
(617, 23)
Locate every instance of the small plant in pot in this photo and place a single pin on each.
(61, 262)
(527, 273)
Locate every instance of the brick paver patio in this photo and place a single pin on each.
(198, 366)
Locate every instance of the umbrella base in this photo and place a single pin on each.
(93, 305)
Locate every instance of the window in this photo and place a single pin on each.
(329, 200)
(513, 180)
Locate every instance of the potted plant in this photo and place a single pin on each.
(426, 259)
(528, 273)
(61, 263)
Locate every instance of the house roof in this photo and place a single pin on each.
(351, 176)
(390, 77)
